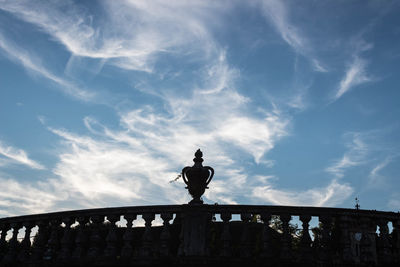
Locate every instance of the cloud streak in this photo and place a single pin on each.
(357, 150)
(132, 33)
(23, 198)
(331, 195)
(355, 75)
(278, 14)
(32, 63)
(375, 177)
(19, 156)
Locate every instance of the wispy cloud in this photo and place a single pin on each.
(355, 75)
(278, 13)
(18, 156)
(365, 151)
(23, 198)
(133, 33)
(33, 63)
(135, 162)
(375, 177)
(394, 202)
(331, 195)
(355, 155)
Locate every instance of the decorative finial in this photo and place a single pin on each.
(357, 206)
(197, 178)
(198, 156)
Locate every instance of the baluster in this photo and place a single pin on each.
(95, 237)
(40, 240)
(226, 235)
(3, 243)
(286, 241)
(181, 248)
(11, 255)
(81, 239)
(207, 217)
(396, 240)
(147, 238)
(112, 239)
(67, 240)
(266, 237)
(305, 241)
(53, 242)
(127, 249)
(367, 242)
(384, 247)
(245, 251)
(24, 252)
(325, 254)
(165, 235)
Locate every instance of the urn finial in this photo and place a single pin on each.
(197, 178)
(198, 157)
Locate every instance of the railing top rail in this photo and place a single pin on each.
(296, 210)
(232, 209)
(96, 211)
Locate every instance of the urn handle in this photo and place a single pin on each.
(211, 170)
(184, 175)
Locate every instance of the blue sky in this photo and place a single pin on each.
(102, 103)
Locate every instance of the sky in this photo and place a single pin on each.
(102, 103)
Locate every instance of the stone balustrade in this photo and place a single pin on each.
(202, 234)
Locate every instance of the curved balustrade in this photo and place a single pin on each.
(190, 234)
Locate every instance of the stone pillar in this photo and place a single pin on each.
(194, 231)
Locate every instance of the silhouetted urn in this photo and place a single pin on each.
(197, 178)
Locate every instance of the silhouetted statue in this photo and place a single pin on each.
(197, 178)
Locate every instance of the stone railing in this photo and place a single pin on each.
(202, 234)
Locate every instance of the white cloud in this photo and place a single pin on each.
(130, 34)
(133, 164)
(18, 156)
(331, 195)
(136, 162)
(97, 171)
(355, 75)
(255, 136)
(22, 198)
